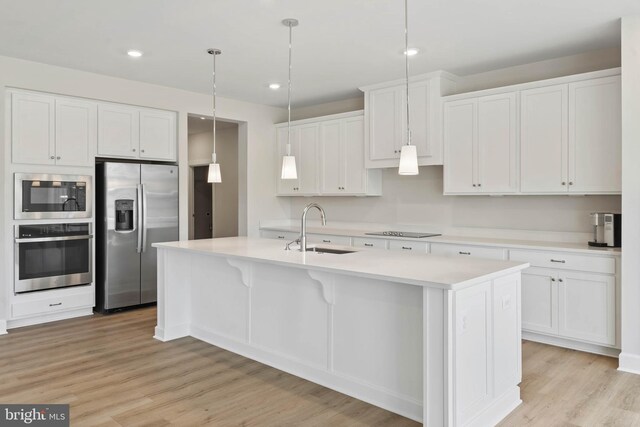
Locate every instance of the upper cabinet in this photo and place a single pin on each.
(385, 120)
(561, 136)
(138, 133)
(329, 155)
(480, 145)
(49, 130)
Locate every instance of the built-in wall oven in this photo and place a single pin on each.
(52, 256)
(44, 196)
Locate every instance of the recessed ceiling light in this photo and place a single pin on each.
(411, 51)
(274, 86)
(201, 118)
(134, 53)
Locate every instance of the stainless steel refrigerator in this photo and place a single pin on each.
(137, 205)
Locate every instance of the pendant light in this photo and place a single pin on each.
(408, 153)
(288, 161)
(214, 168)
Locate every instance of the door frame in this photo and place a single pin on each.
(193, 164)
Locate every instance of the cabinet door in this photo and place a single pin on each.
(157, 135)
(497, 159)
(540, 300)
(543, 140)
(355, 175)
(332, 149)
(595, 140)
(307, 154)
(288, 187)
(385, 119)
(420, 121)
(460, 145)
(587, 307)
(118, 130)
(76, 132)
(32, 128)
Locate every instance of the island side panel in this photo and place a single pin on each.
(437, 368)
(174, 290)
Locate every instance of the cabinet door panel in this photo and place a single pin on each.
(595, 136)
(333, 156)
(118, 131)
(587, 307)
(76, 132)
(497, 143)
(32, 128)
(385, 132)
(354, 171)
(157, 135)
(543, 140)
(309, 137)
(539, 301)
(460, 145)
(287, 186)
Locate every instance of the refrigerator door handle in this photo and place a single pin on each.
(144, 218)
(139, 218)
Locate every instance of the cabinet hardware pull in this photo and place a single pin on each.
(479, 185)
(464, 253)
(133, 149)
(558, 260)
(553, 280)
(326, 241)
(407, 248)
(560, 280)
(474, 185)
(570, 182)
(58, 157)
(53, 305)
(280, 237)
(142, 151)
(52, 157)
(368, 244)
(564, 183)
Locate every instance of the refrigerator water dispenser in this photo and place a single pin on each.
(124, 215)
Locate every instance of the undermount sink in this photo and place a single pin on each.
(330, 251)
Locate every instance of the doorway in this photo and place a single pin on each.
(202, 204)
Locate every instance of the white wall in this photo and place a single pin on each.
(258, 132)
(630, 356)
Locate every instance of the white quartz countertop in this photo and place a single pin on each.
(415, 269)
(463, 240)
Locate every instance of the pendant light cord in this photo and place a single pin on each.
(406, 58)
(289, 97)
(214, 106)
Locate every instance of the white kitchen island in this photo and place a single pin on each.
(436, 339)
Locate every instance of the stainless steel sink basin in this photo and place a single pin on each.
(330, 251)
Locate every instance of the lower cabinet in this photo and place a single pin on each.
(568, 304)
(467, 251)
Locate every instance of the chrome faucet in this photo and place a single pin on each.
(303, 228)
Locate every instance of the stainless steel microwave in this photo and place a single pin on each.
(44, 196)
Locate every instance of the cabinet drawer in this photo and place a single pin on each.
(283, 235)
(52, 304)
(364, 242)
(469, 251)
(408, 246)
(326, 238)
(566, 261)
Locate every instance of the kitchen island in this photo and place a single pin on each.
(436, 339)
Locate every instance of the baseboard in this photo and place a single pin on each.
(171, 333)
(573, 345)
(406, 407)
(52, 317)
(498, 410)
(629, 362)
(3, 327)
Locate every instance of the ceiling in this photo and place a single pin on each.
(339, 45)
(196, 124)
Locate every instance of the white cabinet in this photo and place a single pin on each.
(408, 246)
(282, 235)
(594, 136)
(571, 137)
(470, 251)
(32, 128)
(539, 301)
(366, 242)
(329, 155)
(480, 145)
(50, 130)
(386, 120)
(76, 132)
(157, 134)
(328, 239)
(138, 133)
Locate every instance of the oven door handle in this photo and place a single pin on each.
(54, 239)
(139, 220)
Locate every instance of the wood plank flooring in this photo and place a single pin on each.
(113, 373)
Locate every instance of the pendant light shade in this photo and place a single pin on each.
(408, 153)
(214, 175)
(289, 170)
(289, 167)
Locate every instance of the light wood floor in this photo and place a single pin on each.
(113, 373)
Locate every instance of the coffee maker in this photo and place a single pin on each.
(607, 230)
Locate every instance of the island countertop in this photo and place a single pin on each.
(414, 269)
